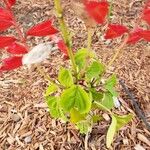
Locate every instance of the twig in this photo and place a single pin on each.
(123, 44)
(47, 77)
(138, 110)
(86, 141)
(89, 40)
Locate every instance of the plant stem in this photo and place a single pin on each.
(65, 33)
(20, 33)
(47, 77)
(118, 51)
(89, 40)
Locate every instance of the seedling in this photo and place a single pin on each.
(77, 92)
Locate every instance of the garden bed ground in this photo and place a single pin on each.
(24, 120)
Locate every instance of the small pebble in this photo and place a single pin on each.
(15, 117)
(125, 141)
(116, 102)
(27, 139)
(106, 117)
(139, 147)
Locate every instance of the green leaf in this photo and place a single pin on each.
(65, 77)
(110, 85)
(117, 123)
(96, 118)
(97, 104)
(107, 100)
(83, 126)
(75, 116)
(53, 104)
(111, 132)
(95, 70)
(51, 101)
(123, 120)
(51, 89)
(97, 96)
(83, 100)
(81, 56)
(63, 116)
(76, 97)
(111, 81)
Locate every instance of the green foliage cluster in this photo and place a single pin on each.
(77, 96)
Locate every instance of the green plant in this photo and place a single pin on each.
(85, 87)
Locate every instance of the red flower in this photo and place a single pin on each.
(42, 29)
(147, 4)
(11, 2)
(11, 63)
(146, 12)
(5, 25)
(16, 48)
(146, 15)
(145, 34)
(6, 41)
(115, 30)
(134, 36)
(5, 15)
(97, 10)
(62, 46)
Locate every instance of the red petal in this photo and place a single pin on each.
(11, 2)
(6, 41)
(16, 48)
(62, 46)
(114, 31)
(42, 29)
(97, 10)
(145, 34)
(5, 15)
(11, 63)
(5, 25)
(147, 5)
(146, 15)
(134, 36)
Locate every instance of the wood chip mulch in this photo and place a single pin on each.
(25, 123)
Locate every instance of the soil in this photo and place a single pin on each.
(24, 119)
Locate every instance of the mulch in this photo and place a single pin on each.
(24, 119)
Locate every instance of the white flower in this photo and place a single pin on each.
(38, 54)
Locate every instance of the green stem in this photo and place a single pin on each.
(65, 33)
